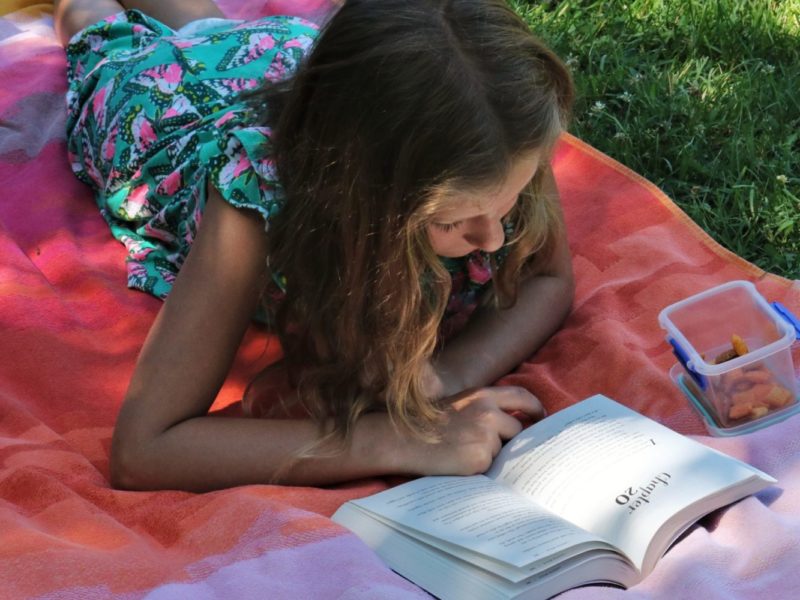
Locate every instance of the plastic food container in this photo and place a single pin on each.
(734, 393)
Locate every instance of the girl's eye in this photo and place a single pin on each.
(447, 226)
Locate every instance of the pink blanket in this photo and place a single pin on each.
(70, 331)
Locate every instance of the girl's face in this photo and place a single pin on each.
(473, 219)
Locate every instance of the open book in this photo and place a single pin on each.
(595, 493)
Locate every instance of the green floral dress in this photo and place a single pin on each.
(153, 117)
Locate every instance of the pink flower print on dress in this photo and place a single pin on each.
(266, 169)
(139, 251)
(96, 42)
(137, 274)
(256, 46)
(286, 61)
(99, 105)
(241, 166)
(147, 77)
(277, 70)
(142, 131)
(172, 77)
(114, 176)
(134, 205)
(74, 163)
(240, 84)
(303, 42)
(479, 268)
(224, 119)
(167, 275)
(156, 233)
(170, 184)
(109, 145)
(197, 213)
(226, 87)
(188, 42)
(178, 146)
(166, 78)
(180, 106)
(90, 162)
(264, 42)
(236, 165)
(188, 236)
(146, 133)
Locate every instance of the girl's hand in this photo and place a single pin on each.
(477, 423)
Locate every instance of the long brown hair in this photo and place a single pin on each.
(398, 103)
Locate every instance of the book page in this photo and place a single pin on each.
(479, 515)
(446, 576)
(614, 472)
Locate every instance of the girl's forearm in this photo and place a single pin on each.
(209, 452)
(498, 340)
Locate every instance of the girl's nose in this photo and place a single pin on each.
(488, 235)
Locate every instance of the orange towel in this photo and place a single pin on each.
(70, 332)
(634, 252)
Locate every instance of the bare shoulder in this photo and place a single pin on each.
(226, 263)
(230, 232)
(194, 338)
(218, 286)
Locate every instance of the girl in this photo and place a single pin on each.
(365, 188)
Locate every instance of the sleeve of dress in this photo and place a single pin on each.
(240, 166)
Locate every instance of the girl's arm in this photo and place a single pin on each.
(497, 340)
(165, 438)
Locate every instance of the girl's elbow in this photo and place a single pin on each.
(568, 283)
(122, 471)
(127, 466)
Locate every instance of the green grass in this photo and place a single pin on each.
(702, 97)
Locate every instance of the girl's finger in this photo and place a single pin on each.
(506, 425)
(512, 399)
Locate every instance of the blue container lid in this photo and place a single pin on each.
(678, 376)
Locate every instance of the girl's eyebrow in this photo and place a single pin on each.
(447, 216)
